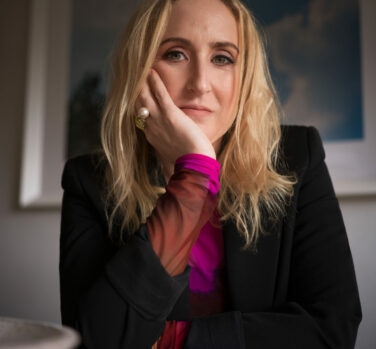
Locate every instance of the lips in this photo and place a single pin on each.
(195, 107)
(195, 110)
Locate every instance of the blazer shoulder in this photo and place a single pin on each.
(84, 176)
(301, 147)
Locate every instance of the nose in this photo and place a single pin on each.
(199, 80)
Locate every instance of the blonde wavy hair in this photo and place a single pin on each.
(250, 183)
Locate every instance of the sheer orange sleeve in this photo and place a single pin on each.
(179, 216)
(183, 210)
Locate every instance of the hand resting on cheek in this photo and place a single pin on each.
(168, 129)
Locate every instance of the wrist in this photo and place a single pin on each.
(203, 164)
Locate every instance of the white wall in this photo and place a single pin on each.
(29, 247)
(360, 219)
(29, 240)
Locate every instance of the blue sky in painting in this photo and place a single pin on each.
(314, 53)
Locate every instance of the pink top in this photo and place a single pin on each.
(205, 255)
(204, 164)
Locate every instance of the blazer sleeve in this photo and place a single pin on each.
(114, 298)
(322, 308)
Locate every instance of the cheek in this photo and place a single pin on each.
(172, 79)
(228, 94)
(227, 90)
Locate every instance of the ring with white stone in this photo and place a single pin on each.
(143, 113)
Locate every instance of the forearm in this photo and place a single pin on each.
(115, 297)
(182, 211)
(124, 298)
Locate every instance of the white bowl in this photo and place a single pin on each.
(27, 334)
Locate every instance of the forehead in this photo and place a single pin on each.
(202, 19)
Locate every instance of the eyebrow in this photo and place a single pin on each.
(216, 44)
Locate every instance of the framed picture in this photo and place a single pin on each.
(65, 66)
(45, 105)
(320, 57)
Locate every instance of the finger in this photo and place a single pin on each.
(147, 100)
(159, 90)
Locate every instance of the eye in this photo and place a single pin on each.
(222, 60)
(174, 55)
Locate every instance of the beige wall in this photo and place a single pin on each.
(29, 285)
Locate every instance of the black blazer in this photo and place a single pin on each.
(298, 291)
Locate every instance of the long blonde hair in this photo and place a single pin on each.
(249, 155)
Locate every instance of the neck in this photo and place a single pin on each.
(166, 166)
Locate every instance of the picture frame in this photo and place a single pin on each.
(44, 130)
(352, 163)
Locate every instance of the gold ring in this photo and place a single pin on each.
(142, 115)
(140, 123)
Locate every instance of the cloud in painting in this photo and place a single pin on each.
(315, 54)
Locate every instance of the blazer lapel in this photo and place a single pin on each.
(251, 276)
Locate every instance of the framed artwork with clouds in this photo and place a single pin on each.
(315, 58)
(320, 54)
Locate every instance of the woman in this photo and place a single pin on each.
(204, 224)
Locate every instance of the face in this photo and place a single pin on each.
(198, 62)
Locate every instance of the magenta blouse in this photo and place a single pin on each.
(191, 192)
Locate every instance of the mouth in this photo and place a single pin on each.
(195, 110)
